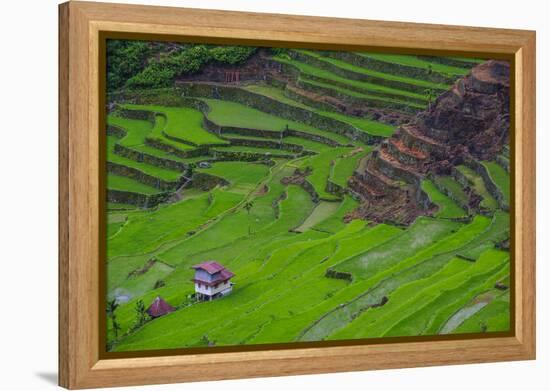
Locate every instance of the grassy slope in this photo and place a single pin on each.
(500, 177)
(363, 95)
(307, 69)
(136, 133)
(322, 166)
(182, 122)
(271, 263)
(149, 169)
(447, 207)
(364, 124)
(479, 186)
(417, 63)
(369, 72)
(453, 187)
(423, 233)
(122, 183)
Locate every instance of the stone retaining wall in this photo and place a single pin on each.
(355, 101)
(140, 176)
(357, 75)
(155, 143)
(206, 182)
(292, 93)
(117, 131)
(504, 163)
(393, 171)
(139, 156)
(308, 187)
(138, 199)
(454, 62)
(489, 184)
(449, 194)
(280, 109)
(392, 67)
(359, 89)
(331, 273)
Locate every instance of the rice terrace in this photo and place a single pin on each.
(266, 195)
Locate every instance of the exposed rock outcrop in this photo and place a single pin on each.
(471, 121)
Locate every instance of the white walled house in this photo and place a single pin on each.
(212, 280)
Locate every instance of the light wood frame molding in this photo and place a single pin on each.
(80, 24)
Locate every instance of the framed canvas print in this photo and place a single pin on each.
(269, 194)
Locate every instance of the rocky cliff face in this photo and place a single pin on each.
(470, 121)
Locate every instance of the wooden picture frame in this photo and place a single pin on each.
(81, 25)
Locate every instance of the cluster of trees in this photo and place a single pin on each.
(137, 65)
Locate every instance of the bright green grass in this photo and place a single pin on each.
(260, 150)
(122, 183)
(112, 206)
(184, 123)
(423, 233)
(335, 222)
(500, 178)
(345, 166)
(158, 135)
(137, 132)
(422, 306)
(363, 124)
(495, 316)
(365, 96)
(323, 210)
(141, 284)
(113, 228)
(453, 187)
(146, 231)
(414, 266)
(226, 113)
(230, 241)
(307, 69)
(295, 266)
(369, 72)
(416, 62)
(158, 172)
(478, 184)
(447, 207)
(238, 174)
(321, 166)
(274, 93)
(498, 231)
(366, 125)
(309, 145)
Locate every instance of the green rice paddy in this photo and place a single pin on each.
(280, 215)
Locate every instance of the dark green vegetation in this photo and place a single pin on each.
(255, 176)
(137, 64)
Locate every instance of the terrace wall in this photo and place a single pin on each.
(275, 107)
(489, 184)
(311, 60)
(149, 159)
(206, 182)
(138, 199)
(140, 176)
(353, 100)
(392, 67)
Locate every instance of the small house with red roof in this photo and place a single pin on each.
(159, 308)
(212, 280)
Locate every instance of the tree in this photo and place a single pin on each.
(248, 206)
(141, 314)
(430, 95)
(112, 305)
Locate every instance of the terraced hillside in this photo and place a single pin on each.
(340, 188)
